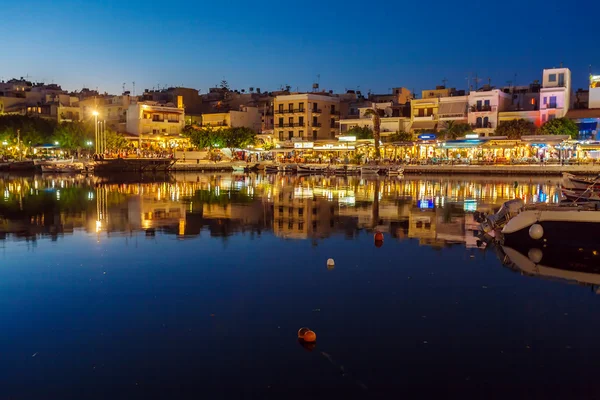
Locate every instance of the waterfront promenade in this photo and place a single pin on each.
(506, 170)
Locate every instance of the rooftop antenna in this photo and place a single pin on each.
(477, 79)
(561, 64)
(444, 81)
(123, 88)
(490, 81)
(133, 88)
(468, 79)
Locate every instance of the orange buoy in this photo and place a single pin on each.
(378, 236)
(378, 243)
(310, 337)
(302, 332)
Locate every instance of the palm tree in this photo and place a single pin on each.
(376, 128)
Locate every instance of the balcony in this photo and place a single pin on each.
(295, 125)
(481, 126)
(317, 125)
(424, 117)
(316, 110)
(551, 105)
(335, 112)
(482, 108)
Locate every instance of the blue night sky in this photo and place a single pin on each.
(268, 44)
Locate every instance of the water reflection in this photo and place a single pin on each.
(436, 211)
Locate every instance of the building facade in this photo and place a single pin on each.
(151, 118)
(555, 95)
(248, 117)
(484, 106)
(424, 114)
(306, 117)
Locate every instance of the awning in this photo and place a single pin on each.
(455, 109)
(424, 125)
(462, 144)
(589, 147)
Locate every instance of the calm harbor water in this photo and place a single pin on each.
(196, 284)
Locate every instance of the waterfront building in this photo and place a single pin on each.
(158, 121)
(484, 106)
(390, 124)
(555, 94)
(424, 114)
(248, 117)
(306, 117)
(453, 108)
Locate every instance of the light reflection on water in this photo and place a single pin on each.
(433, 209)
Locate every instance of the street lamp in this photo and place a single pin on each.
(95, 114)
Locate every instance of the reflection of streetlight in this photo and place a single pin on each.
(56, 143)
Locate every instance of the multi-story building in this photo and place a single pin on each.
(424, 114)
(484, 106)
(453, 108)
(306, 116)
(390, 123)
(248, 117)
(524, 104)
(555, 95)
(152, 118)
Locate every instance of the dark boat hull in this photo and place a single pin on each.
(574, 235)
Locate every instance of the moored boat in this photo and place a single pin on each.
(287, 167)
(569, 225)
(370, 169)
(311, 169)
(580, 183)
(68, 167)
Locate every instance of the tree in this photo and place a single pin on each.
(361, 132)
(515, 128)
(453, 130)
(237, 138)
(560, 126)
(401, 136)
(376, 128)
(203, 137)
(72, 136)
(115, 142)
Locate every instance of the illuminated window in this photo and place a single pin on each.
(300, 226)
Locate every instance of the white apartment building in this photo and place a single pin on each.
(555, 95)
(484, 106)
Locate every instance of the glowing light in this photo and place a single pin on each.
(95, 113)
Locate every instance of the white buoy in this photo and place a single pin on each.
(535, 255)
(536, 231)
(330, 262)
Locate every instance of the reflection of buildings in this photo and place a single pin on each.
(298, 214)
(433, 210)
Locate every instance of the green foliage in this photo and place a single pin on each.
(73, 135)
(361, 132)
(401, 136)
(560, 126)
(115, 141)
(453, 130)
(515, 128)
(32, 130)
(209, 138)
(203, 137)
(237, 138)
